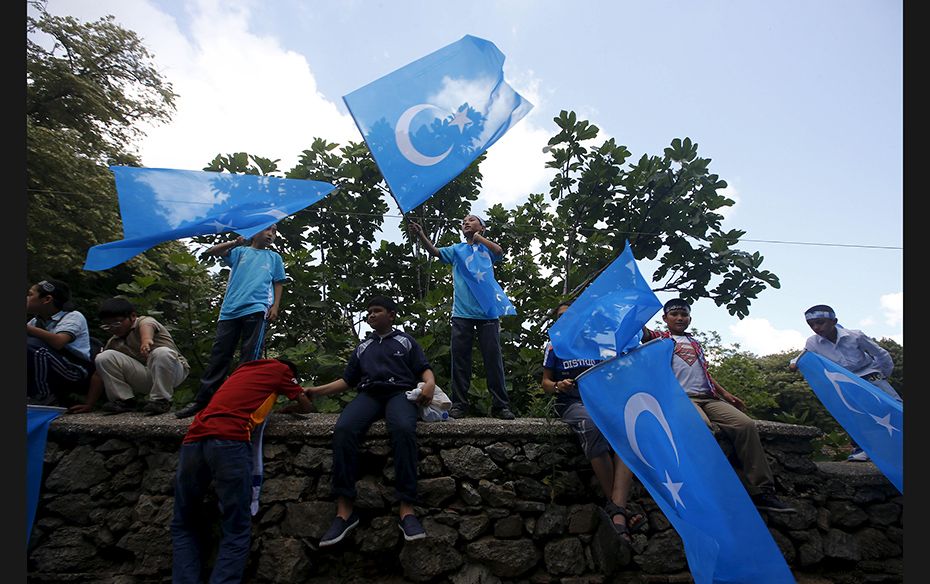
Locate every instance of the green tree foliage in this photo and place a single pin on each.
(92, 86)
(90, 89)
(336, 255)
(668, 207)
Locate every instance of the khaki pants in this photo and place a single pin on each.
(740, 429)
(123, 377)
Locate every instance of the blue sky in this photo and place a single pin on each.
(798, 104)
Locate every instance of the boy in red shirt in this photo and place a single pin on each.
(217, 448)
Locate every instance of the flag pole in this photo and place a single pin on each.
(580, 287)
(416, 244)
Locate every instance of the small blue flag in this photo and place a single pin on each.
(162, 204)
(427, 121)
(639, 406)
(37, 420)
(608, 317)
(874, 419)
(479, 276)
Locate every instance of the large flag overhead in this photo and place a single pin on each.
(37, 420)
(874, 419)
(639, 406)
(161, 204)
(608, 317)
(427, 121)
(479, 276)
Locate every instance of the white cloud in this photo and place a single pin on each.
(731, 193)
(516, 165)
(893, 307)
(237, 91)
(758, 336)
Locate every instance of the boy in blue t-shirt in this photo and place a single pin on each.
(469, 317)
(253, 297)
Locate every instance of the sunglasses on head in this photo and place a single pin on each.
(46, 285)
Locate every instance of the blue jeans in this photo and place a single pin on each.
(251, 329)
(489, 344)
(400, 415)
(228, 463)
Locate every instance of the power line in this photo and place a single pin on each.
(456, 222)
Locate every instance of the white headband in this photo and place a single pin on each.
(819, 314)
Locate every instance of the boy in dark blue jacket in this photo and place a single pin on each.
(383, 367)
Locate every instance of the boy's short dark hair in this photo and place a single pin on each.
(58, 290)
(113, 307)
(290, 364)
(676, 304)
(555, 311)
(382, 301)
(819, 311)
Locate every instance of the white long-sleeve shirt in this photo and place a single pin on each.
(853, 350)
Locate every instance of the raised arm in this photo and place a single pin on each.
(224, 248)
(430, 247)
(495, 248)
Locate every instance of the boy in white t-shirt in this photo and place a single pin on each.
(717, 406)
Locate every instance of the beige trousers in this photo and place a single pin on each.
(123, 377)
(740, 429)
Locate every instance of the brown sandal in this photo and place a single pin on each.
(632, 524)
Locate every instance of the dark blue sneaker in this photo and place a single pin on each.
(339, 529)
(411, 527)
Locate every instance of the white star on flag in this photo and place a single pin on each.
(885, 422)
(673, 488)
(461, 120)
(221, 227)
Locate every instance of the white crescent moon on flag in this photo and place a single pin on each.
(402, 136)
(637, 404)
(835, 378)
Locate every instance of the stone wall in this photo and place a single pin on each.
(502, 501)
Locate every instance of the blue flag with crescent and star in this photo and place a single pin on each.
(37, 420)
(874, 419)
(639, 406)
(479, 276)
(608, 317)
(427, 121)
(162, 204)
